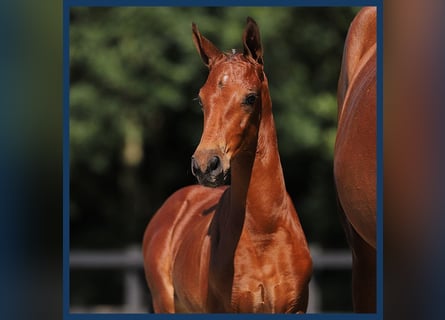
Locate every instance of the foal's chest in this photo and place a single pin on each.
(264, 281)
(251, 293)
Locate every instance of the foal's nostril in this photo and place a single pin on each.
(195, 166)
(214, 163)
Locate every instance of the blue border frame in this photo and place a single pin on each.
(221, 3)
(379, 244)
(67, 4)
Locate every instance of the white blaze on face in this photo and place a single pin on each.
(223, 80)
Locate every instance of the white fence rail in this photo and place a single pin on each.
(130, 262)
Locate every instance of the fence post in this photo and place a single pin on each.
(133, 297)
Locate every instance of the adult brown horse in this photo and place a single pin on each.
(239, 248)
(355, 154)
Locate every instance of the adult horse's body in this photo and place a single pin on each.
(355, 154)
(239, 248)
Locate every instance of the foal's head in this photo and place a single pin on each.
(231, 100)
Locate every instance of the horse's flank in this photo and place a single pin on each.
(355, 154)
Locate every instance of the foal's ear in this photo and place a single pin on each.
(252, 41)
(206, 49)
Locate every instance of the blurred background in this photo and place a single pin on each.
(134, 125)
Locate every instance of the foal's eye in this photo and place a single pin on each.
(250, 99)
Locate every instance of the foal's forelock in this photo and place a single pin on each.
(234, 57)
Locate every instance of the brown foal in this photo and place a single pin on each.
(213, 248)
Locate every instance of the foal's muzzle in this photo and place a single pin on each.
(210, 173)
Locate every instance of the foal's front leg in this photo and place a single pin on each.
(163, 301)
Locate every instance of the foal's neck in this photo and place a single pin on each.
(258, 186)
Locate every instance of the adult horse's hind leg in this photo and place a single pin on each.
(363, 269)
(363, 275)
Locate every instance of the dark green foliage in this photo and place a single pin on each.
(134, 125)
